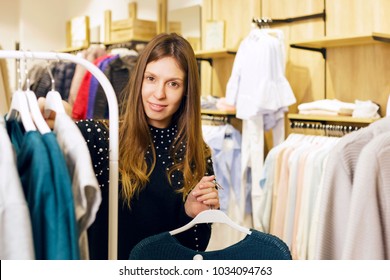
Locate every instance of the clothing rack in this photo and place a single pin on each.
(216, 118)
(327, 129)
(131, 45)
(268, 21)
(113, 131)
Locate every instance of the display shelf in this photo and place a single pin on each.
(332, 42)
(324, 118)
(72, 49)
(321, 44)
(211, 54)
(218, 112)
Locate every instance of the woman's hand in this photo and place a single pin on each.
(50, 119)
(204, 196)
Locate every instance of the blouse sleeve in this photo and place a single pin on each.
(96, 135)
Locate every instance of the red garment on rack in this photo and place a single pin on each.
(79, 110)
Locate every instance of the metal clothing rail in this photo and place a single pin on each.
(328, 129)
(269, 21)
(113, 132)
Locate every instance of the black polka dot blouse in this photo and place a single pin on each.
(157, 208)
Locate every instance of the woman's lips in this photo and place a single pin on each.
(156, 107)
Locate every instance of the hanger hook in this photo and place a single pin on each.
(51, 76)
(26, 72)
(19, 73)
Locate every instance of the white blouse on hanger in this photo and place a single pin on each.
(257, 84)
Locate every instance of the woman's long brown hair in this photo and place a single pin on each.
(134, 133)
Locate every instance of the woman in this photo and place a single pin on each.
(166, 175)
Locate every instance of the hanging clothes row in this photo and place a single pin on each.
(89, 98)
(50, 178)
(79, 87)
(354, 217)
(288, 188)
(225, 142)
(317, 190)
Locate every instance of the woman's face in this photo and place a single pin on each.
(162, 91)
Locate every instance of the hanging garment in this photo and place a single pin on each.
(85, 187)
(261, 94)
(313, 173)
(47, 188)
(16, 239)
(256, 246)
(257, 84)
(63, 74)
(90, 54)
(225, 142)
(79, 110)
(118, 72)
(94, 85)
(367, 231)
(337, 189)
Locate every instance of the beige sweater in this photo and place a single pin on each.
(337, 190)
(368, 227)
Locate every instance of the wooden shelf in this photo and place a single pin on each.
(220, 53)
(72, 50)
(333, 42)
(218, 112)
(344, 119)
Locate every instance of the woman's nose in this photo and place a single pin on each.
(159, 92)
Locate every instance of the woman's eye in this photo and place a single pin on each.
(149, 78)
(173, 84)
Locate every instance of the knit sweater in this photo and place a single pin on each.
(157, 208)
(256, 246)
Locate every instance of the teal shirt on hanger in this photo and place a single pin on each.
(256, 246)
(46, 185)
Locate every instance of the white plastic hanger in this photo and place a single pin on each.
(19, 106)
(35, 111)
(53, 98)
(211, 216)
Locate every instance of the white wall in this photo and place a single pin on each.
(9, 31)
(40, 25)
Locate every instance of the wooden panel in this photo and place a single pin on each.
(205, 68)
(348, 17)
(344, 119)
(107, 25)
(334, 42)
(359, 73)
(291, 8)
(237, 16)
(305, 70)
(222, 53)
(162, 16)
(221, 72)
(381, 21)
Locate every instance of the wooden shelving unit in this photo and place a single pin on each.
(72, 50)
(321, 44)
(323, 118)
(218, 112)
(221, 53)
